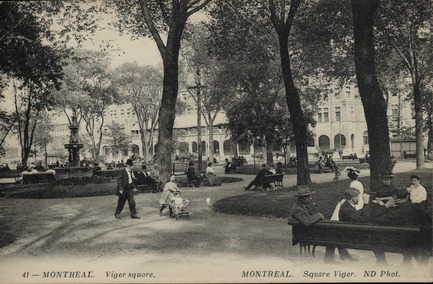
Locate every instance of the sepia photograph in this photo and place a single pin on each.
(216, 141)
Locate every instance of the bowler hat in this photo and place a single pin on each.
(304, 190)
(386, 175)
(129, 162)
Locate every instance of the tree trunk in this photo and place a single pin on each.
(429, 125)
(372, 99)
(296, 114)
(419, 126)
(167, 111)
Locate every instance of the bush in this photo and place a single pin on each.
(81, 180)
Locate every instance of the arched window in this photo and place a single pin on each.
(352, 141)
(324, 142)
(365, 138)
(135, 149)
(203, 148)
(310, 141)
(340, 141)
(194, 147)
(216, 147)
(227, 147)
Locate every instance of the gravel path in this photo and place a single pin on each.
(81, 234)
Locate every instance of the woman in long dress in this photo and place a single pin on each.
(167, 195)
(211, 176)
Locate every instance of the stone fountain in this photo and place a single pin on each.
(74, 146)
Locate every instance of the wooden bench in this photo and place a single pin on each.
(349, 157)
(274, 180)
(38, 178)
(409, 154)
(392, 239)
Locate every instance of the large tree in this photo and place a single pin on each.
(142, 87)
(404, 29)
(373, 101)
(33, 93)
(205, 68)
(160, 19)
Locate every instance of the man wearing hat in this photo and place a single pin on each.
(385, 188)
(305, 210)
(126, 190)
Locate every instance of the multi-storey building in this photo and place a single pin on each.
(340, 125)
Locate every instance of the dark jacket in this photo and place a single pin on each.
(190, 173)
(260, 177)
(306, 214)
(404, 214)
(348, 213)
(123, 182)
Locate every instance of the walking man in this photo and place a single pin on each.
(126, 190)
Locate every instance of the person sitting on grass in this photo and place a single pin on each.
(259, 179)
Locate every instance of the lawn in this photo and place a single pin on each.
(278, 203)
(250, 169)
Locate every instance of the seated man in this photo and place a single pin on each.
(193, 178)
(156, 179)
(227, 166)
(401, 212)
(258, 181)
(346, 212)
(305, 210)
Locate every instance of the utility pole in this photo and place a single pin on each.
(198, 86)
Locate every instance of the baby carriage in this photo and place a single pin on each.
(180, 206)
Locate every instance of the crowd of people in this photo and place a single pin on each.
(397, 206)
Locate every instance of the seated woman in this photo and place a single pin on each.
(211, 176)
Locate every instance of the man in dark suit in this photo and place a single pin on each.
(399, 211)
(258, 181)
(126, 190)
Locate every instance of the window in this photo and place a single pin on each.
(365, 138)
(337, 96)
(337, 114)
(319, 117)
(325, 115)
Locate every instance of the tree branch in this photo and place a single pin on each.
(151, 26)
(197, 8)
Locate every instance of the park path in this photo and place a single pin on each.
(81, 234)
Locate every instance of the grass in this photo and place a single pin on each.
(249, 169)
(78, 187)
(278, 203)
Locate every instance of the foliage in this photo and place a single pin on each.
(142, 87)
(88, 90)
(404, 34)
(158, 18)
(118, 140)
